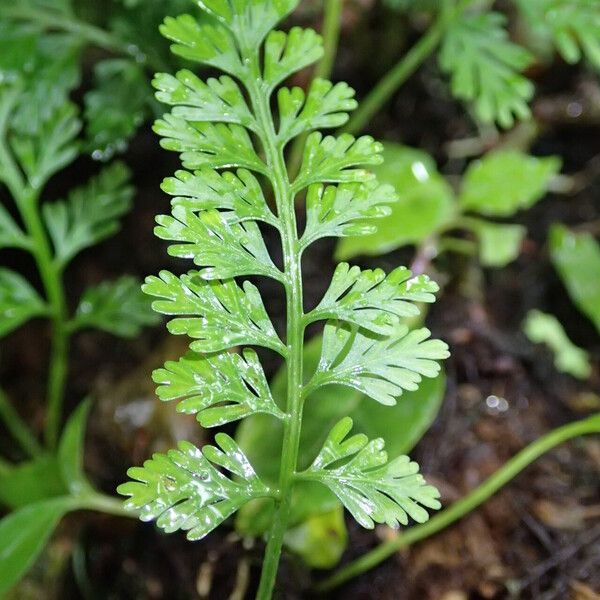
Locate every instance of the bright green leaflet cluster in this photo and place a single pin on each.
(226, 123)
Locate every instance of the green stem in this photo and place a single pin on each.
(407, 65)
(17, 427)
(284, 198)
(467, 504)
(51, 276)
(104, 504)
(332, 20)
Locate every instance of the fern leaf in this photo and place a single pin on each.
(217, 388)
(573, 26)
(371, 300)
(19, 302)
(219, 100)
(219, 314)
(249, 21)
(485, 68)
(337, 160)
(51, 148)
(224, 250)
(118, 307)
(209, 44)
(11, 235)
(379, 367)
(208, 145)
(286, 53)
(239, 196)
(182, 490)
(371, 488)
(91, 212)
(325, 106)
(345, 210)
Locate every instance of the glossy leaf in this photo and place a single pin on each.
(505, 182)
(118, 307)
(224, 250)
(90, 214)
(218, 314)
(371, 300)
(11, 235)
(381, 368)
(499, 244)
(24, 533)
(371, 488)
(19, 302)
(576, 257)
(182, 490)
(116, 106)
(239, 194)
(337, 159)
(542, 328)
(211, 45)
(49, 150)
(425, 204)
(219, 100)
(325, 106)
(345, 210)
(217, 388)
(203, 144)
(288, 52)
(250, 21)
(485, 68)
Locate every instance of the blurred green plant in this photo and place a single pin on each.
(120, 99)
(543, 328)
(429, 212)
(486, 68)
(39, 136)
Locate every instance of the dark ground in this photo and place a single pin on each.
(539, 538)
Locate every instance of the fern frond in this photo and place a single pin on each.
(572, 25)
(217, 388)
(345, 210)
(286, 53)
(337, 160)
(202, 144)
(183, 490)
(225, 250)
(325, 106)
(371, 488)
(379, 367)
(371, 300)
(218, 314)
(238, 196)
(90, 214)
(485, 68)
(219, 100)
